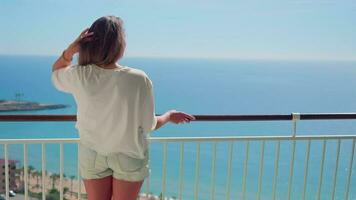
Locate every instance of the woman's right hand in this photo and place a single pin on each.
(178, 117)
(74, 46)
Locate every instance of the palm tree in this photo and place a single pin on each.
(54, 178)
(19, 173)
(40, 175)
(71, 184)
(30, 170)
(37, 174)
(65, 190)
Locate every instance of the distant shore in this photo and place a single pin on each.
(10, 105)
(35, 186)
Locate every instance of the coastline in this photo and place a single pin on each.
(35, 187)
(35, 184)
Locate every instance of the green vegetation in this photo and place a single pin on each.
(53, 194)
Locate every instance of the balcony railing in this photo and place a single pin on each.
(231, 142)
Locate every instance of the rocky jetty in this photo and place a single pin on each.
(7, 106)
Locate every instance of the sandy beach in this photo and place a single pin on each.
(35, 186)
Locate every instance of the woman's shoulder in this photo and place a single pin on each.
(135, 71)
(139, 73)
(142, 76)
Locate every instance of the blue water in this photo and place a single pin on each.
(210, 87)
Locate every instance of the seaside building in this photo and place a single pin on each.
(12, 175)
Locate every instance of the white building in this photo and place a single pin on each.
(12, 177)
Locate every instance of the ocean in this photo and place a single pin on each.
(209, 86)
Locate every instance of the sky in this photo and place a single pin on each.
(236, 29)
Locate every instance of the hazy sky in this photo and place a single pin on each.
(265, 29)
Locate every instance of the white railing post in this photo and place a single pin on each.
(336, 168)
(79, 196)
(6, 171)
(228, 184)
(149, 175)
(61, 167)
(321, 170)
(197, 172)
(164, 170)
(306, 168)
(276, 164)
(149, 165)
(261, 171)
(350, 170)
(295, 118)
(213, 172)
(181, 171)
(43, 147)
(25, 174)
(245, 170)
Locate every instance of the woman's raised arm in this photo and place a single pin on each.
(66, 58)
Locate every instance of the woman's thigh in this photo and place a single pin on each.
(126, 190)
(99, 188)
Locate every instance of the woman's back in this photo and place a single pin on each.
(115, 107)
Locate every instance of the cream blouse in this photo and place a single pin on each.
(115, 107)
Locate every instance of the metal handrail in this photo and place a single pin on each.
(193, 139)
(261, 117)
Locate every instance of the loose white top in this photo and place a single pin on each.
(115, 107)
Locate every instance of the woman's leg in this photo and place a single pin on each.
(126, 190)
(99, 189)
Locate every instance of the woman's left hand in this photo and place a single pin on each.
(74, 46)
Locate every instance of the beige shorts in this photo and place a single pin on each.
(120, 166)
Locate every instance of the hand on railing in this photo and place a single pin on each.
(173, 116)
(178, 117)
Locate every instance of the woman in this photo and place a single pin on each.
(115, 111)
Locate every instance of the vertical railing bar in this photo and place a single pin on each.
(291, 171)
(181, 172)
(350, 170)
(197, 171)
(79, 195)
(149, 165)
(306, 168)
(43, 150)
(164, 170)
(261, 170)
(213, 172)
(149, 169)
(336, 168)
(295, 118)
(276, 164)
(321, 170)
(148, 182)
(6, 171)
(148, 185)
(61, 171)
(245, 170)
(228, 185)
(25, 164)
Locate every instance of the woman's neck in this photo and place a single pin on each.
(111, 66)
